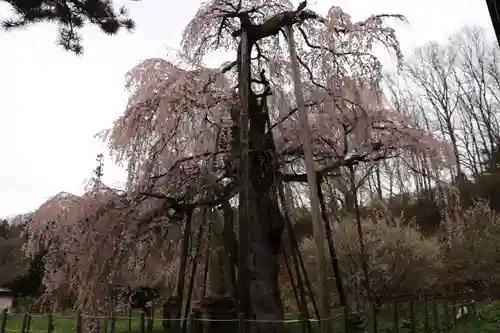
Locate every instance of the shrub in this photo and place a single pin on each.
(490, 313)
(399, 259)
(473, 244)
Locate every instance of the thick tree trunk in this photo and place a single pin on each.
(261, 222)
(266, 225)
(264, 248)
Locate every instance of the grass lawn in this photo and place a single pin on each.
(67, 323)
(487, 320)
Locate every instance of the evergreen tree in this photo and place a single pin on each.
(491, 161)
(70, 16)
(4, 229)
(97, 173)
(30, 283)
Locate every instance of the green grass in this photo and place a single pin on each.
(487, 320)
(67, 323)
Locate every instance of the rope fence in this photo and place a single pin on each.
(177, 319)
(426, 315)
(62, 323)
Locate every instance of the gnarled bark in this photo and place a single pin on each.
(264, 221)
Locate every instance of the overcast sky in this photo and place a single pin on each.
(52, 102)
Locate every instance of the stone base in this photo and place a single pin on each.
(215, 309)
(170, 310)
(355, 323)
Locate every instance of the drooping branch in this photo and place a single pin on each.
(180, 207)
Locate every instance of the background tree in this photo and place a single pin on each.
(4, 229)
(29, 283)
(97, 174)
(11, 254)
(401, 261)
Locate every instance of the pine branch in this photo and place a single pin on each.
(70, 16)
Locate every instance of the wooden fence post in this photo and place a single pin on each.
(374, 318)
(142, 324)
(426, 318)
(150, 323)
(395, 316)
(435, 317)
(130, 320)
(25, 323)
(28, 324)
(454, 311)
(446, 325)
(112, 323)
(190, 323)
(413, 324)
(346, 318)
(50, 323)
(4, 321)
(241, 323)
(78, 326)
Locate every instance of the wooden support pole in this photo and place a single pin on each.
(318, 227)
(244, 209)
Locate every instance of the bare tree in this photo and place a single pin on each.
(432, 70)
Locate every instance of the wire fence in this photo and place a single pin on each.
(427, 315)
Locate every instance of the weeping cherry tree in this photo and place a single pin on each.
(181, 137)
